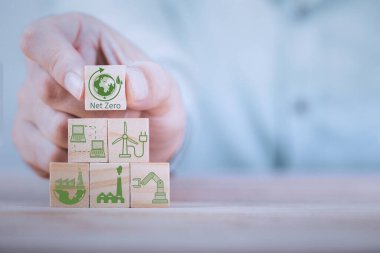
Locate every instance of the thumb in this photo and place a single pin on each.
(148, 86)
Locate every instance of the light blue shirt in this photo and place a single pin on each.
(287, 85)
(268, 85)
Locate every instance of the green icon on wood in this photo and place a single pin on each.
(64, 186)
(78, 134)
(109, 197)
(103, 86)
(160, 195)
(97, 149)
(143, 137)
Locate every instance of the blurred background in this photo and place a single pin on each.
(270, 86)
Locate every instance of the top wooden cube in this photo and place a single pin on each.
(105, 87)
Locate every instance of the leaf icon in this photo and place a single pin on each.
(118, 80)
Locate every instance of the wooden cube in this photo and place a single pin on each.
(128, 140)
(109, 186)
(150, 184)
(87, 140)
(69, 184)
(105, 87)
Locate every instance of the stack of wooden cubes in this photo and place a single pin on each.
(108, 159)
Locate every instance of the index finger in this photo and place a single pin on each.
(49, 46)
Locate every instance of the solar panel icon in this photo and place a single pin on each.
(78, 134)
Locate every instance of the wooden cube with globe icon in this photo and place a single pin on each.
(69, 184)
(105, 87)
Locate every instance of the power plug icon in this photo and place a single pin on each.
(143, 137)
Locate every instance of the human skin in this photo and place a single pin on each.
(56, 48)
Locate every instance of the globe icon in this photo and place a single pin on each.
(104, 85)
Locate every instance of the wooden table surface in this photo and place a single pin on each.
(272, 214)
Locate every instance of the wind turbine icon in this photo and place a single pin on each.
(125, 138)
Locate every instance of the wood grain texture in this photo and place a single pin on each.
(136, 142)
(207, 214)
(90, 146)
(112, 72)
(64, 178)
(104, 179)
(150, 185)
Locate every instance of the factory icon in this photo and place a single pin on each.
(63, 187)
(110, 197)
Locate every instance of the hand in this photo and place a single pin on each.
(56, 49)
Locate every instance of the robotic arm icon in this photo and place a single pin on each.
(160, 195)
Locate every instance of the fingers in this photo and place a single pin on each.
(52, 124)
(57, 51)
(34, 148)
(149, 87)
(49, 46)
(53, 95)
(57, 47)
(39, 171)
(152, 90)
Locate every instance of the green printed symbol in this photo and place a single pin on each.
(63, 188)
(143, 137)
(78, 134)
(97, 149)
(103, 86)
(105, 198)
(160, 195)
